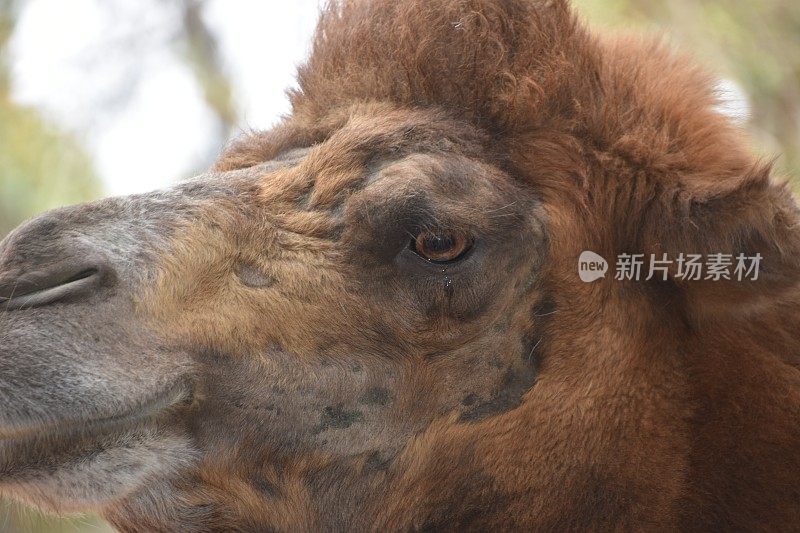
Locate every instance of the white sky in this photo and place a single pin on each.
(71, 57)
(68, 56)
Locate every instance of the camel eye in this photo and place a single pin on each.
(441, 247)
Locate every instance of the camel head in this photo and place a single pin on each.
(370, 316)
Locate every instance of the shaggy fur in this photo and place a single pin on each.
(622, 141)
(338, 382)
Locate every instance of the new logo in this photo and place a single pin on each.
(591, 267)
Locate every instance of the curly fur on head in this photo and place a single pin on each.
(499, 64)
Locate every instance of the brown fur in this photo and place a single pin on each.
(621, 140)
(339, 385)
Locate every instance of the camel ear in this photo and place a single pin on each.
(751, 218)
(490, 61)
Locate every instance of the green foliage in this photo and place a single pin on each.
(15, 518)
(40, 167)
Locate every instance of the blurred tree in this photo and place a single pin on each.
(199, 47)
(40, 166)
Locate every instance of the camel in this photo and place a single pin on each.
(370, 316)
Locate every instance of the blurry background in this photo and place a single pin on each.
(101, 97)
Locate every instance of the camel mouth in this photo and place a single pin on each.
(147, 411)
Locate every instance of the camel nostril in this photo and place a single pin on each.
(36, 289)
(83, 274)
